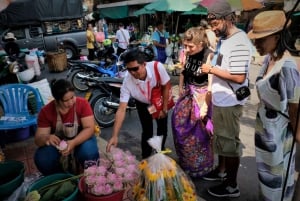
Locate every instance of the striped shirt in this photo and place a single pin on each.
(234, 56)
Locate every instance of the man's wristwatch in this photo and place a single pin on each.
(165, 111)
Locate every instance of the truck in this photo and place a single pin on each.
(38, 36)
(46, 25)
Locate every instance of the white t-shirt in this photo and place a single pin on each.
(234, 56)
(123, 38)
(139, 89)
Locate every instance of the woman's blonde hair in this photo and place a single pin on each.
(196, 35)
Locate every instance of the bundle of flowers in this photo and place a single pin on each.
(162, 179)
(112, 173)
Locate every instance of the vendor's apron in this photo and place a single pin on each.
(161, 51)
(67, 131)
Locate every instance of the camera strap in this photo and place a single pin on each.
(232, 87)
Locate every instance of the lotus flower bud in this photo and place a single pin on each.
(63, 145)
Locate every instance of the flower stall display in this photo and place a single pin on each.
(111, 173)
(162, 179)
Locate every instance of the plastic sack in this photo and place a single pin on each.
(169, 49)
(170, 64)
(20, 193)
(162, 179)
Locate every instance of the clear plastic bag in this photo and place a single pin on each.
(20, 193)
(162, 179)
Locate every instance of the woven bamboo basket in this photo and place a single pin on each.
(57, 61)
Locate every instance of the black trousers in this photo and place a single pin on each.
(147, 128)
(91, 55)
(120, 51)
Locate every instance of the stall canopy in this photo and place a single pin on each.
(244, 5)
(200, 10)
(143, 11)
(114, 12)
(171, 5)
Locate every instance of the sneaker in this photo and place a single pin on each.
(224, 191)
(215, 175)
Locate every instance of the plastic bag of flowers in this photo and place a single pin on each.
(162, 179)
(111, 173)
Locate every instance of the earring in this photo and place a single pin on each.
(275, 54)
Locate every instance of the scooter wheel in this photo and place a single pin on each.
(104, 116)
(78, 83)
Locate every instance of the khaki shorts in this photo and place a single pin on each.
(226, 122)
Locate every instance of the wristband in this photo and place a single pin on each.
(209, 71)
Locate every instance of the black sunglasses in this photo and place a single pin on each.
(134, 69)
(211, 17)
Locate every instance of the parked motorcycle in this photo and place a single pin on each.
(86, 69)
(12, 68)
(104, 98)
(105, 52)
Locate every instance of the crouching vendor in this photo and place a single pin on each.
(65, 132)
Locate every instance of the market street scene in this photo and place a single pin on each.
(149, 100)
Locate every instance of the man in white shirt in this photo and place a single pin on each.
(122, 37)
(230, 70)
(138, 84)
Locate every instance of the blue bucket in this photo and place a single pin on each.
(17, 135)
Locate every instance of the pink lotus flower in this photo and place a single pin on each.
(111, 174)
(90, 171)
(62, 145)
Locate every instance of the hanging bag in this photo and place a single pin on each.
(156, 95)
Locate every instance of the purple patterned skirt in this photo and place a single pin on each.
(193, 136)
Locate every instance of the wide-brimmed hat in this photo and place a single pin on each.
(267, 23)
(10, 35)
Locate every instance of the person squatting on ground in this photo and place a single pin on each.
(138, 84)
(11, 47)
(68, 118)
(278, 89)
(159, 39)
(90, 39)
(122, 37)
(191, 117)
(230, 68)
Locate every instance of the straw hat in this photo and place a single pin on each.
(266, 23)
(10, 35)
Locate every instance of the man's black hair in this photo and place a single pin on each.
(159, 22)
(134, 54)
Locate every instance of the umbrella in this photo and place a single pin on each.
(200, 10)
(245, 5)
(143, 11)
(171, 5)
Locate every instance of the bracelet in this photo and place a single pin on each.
(209, 71)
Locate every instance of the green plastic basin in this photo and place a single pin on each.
(51, 179)
(11, 177)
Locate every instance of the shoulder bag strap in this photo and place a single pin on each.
(157, 76)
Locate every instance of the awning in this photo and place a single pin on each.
(200, 10)
(143, 11)
(114, 12)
